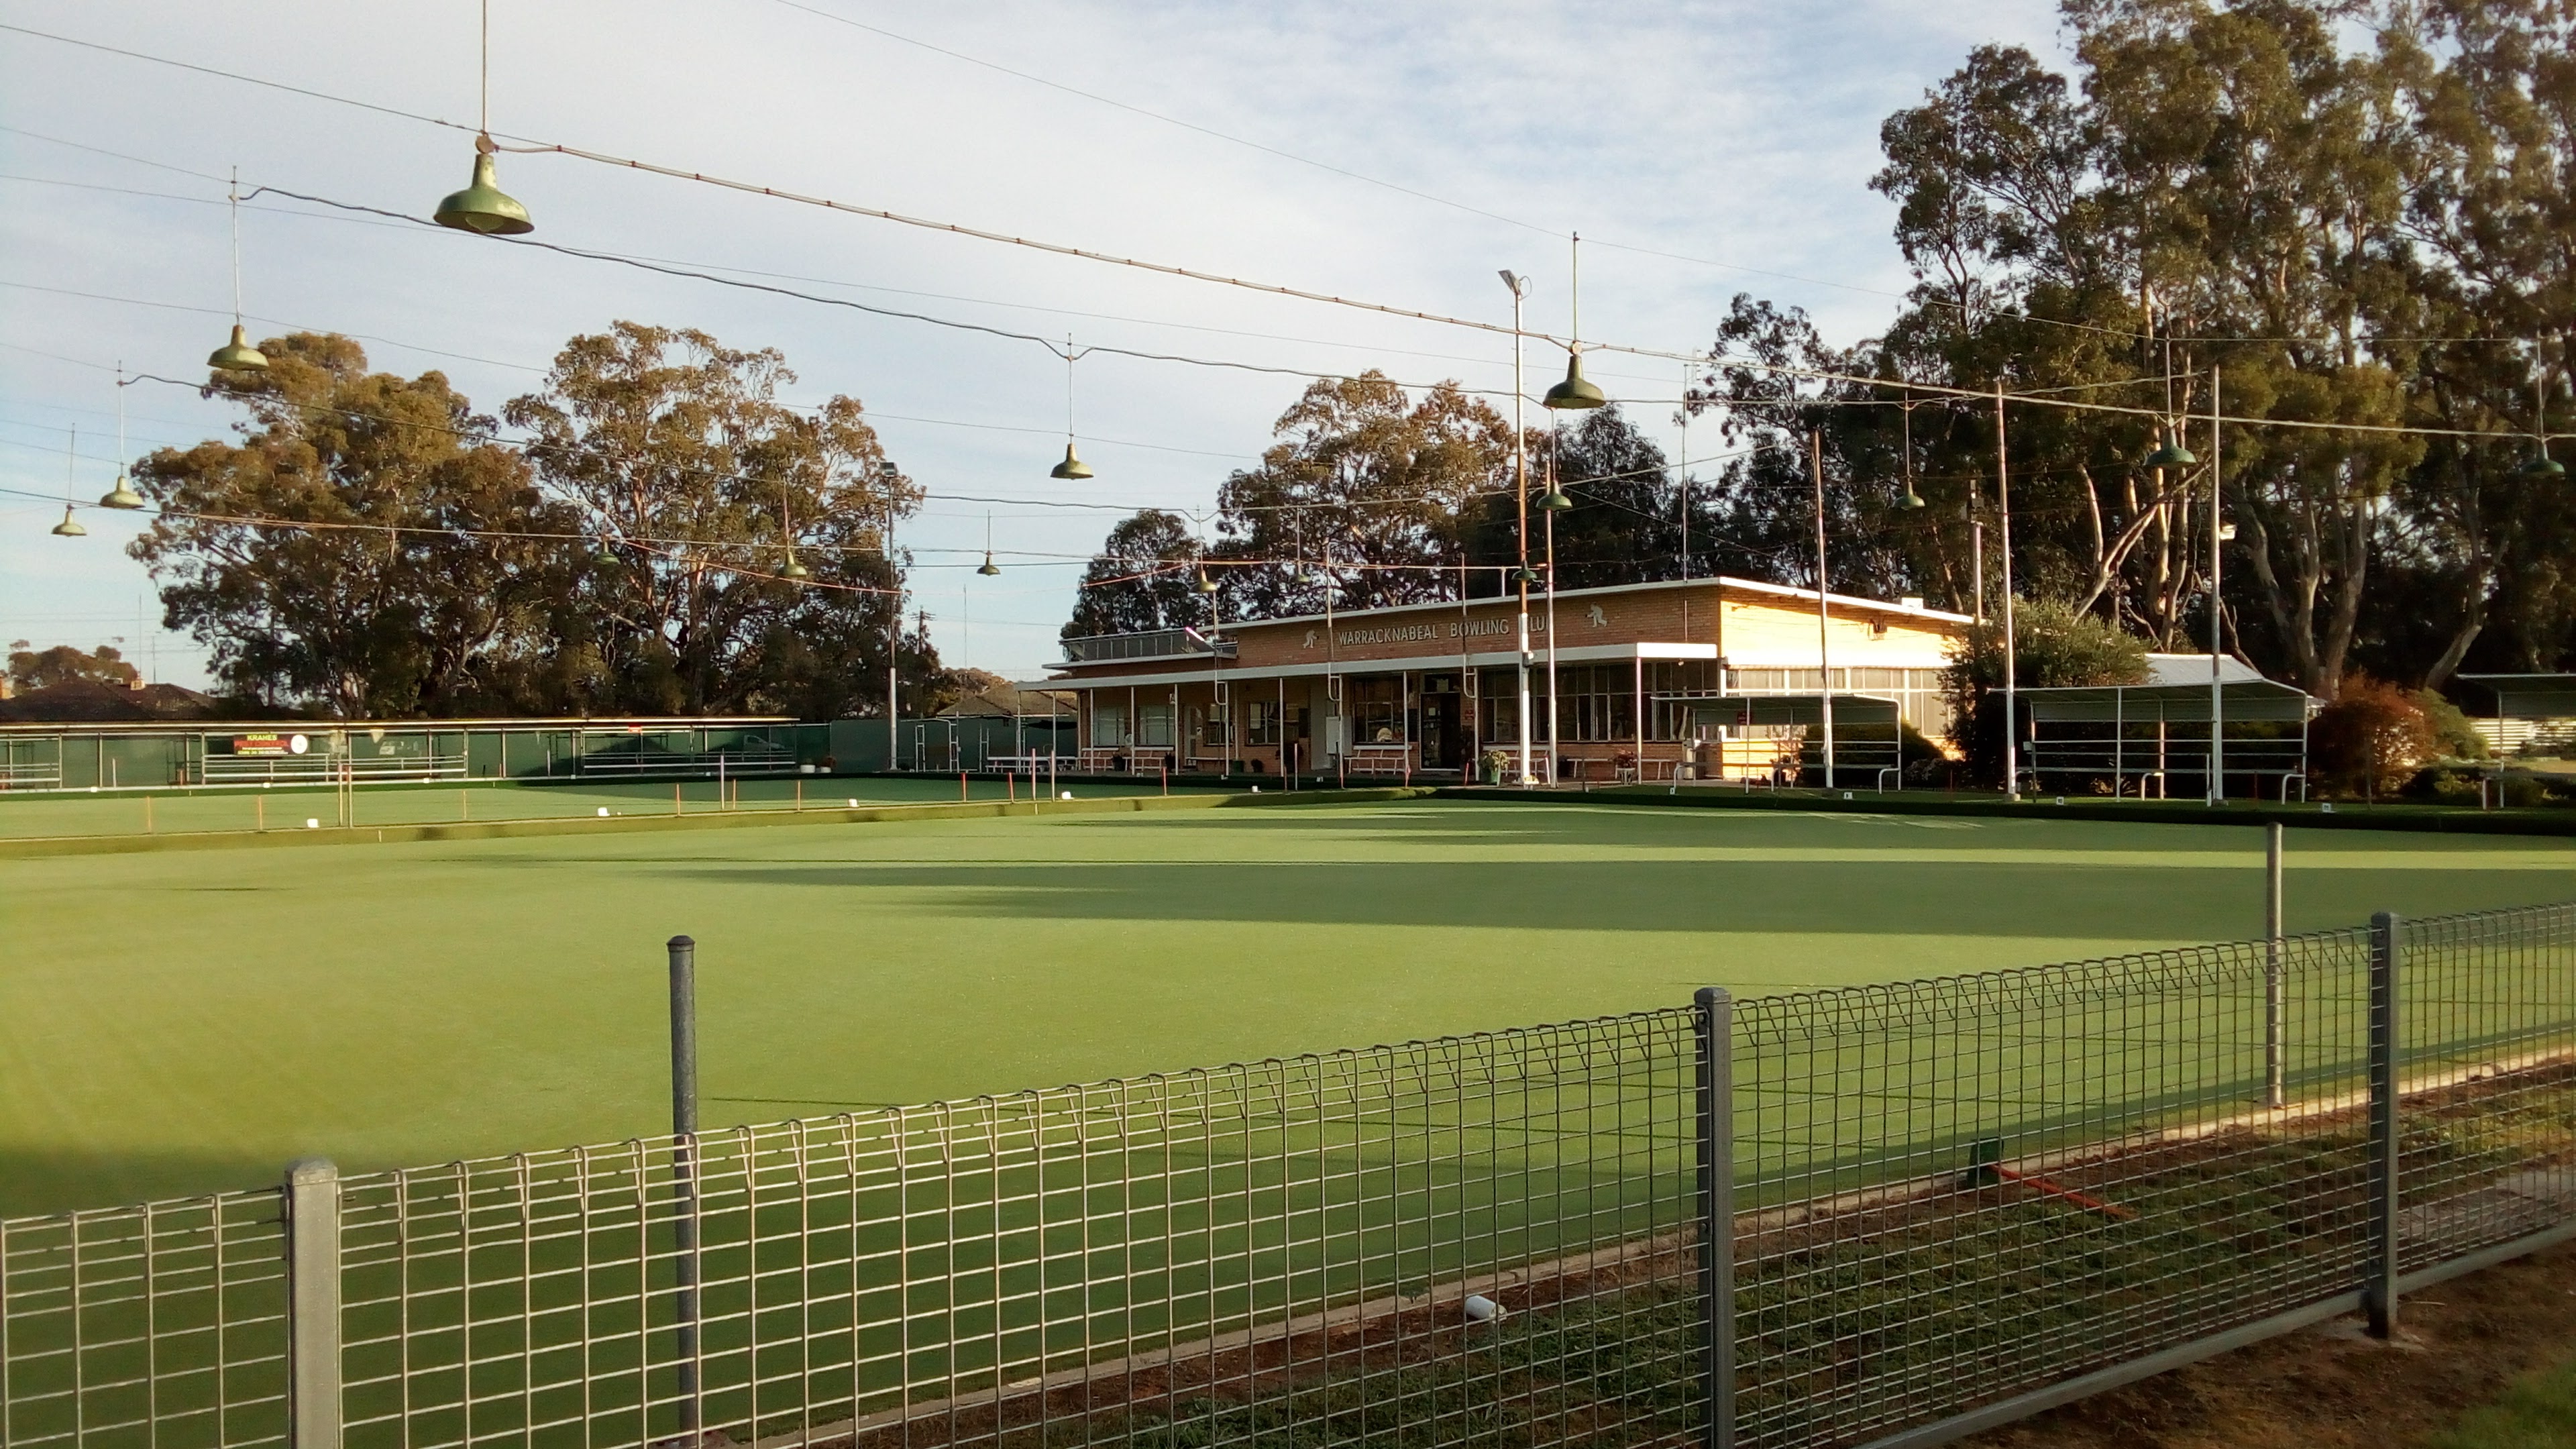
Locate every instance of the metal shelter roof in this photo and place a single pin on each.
(2243, 700)
(2528, 696)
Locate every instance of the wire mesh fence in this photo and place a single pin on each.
(151, 1325)
(1939, 1201)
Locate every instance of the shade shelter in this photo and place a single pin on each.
(2521, 709)
(1777, 735)
(2140, 736)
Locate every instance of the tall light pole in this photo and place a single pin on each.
(1575, 394)
(2003, 505)
(894, 624)
(1520, 488)
(1824, 619)
(2217, 693)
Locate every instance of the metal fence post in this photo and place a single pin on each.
(2379, 1289)
(1714, 1022)
(2275, 1084)
(684, 1193)
(313, 1304)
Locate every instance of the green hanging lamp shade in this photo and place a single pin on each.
(1071, 467)
(1555, 501)
(990, 570)
(483, 207)
(2171, 454)
(1912, 500)
(2542, 466)
(237, 355)
(795, 570)
(70, 527)
(1525, 575)
(1576, 391)
(1206, 585)
(121, 496)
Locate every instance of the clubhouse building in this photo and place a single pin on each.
(1700, 678)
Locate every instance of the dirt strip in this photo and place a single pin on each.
(2331, 1387)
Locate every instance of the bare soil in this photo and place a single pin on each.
(2331, 1387)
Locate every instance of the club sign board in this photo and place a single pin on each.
(270, 745)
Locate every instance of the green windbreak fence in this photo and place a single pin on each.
(161, 757)
(1869, 1216)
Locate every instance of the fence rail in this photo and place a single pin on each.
(1939, 1204)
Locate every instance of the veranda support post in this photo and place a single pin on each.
(1713, 1020)
(313, 1304)
(2379, 1285)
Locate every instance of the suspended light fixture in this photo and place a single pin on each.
(1912, 500)
(795, 570)
(70, 527)
(990, 569)
(2170, 454)
(1525, 575)
(237, 355)
(1555, 501)
(2541, 465)
(1206, 585)
(1072, 467)
(123, 494)
(1577, 391)
(482, 207)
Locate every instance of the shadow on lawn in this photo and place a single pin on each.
(39, 1180)
(2044, 898)
(1648, 825)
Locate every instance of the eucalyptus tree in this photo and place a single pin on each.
(365, 545)
(739, 547)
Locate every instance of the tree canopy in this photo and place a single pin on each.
(372, 546)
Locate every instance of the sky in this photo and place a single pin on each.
(1396, 153)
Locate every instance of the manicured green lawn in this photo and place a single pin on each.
(185, 1021)
(25, 815)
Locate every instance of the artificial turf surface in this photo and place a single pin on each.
(174, 1023)
(233, 808)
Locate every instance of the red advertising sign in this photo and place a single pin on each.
(270, 744)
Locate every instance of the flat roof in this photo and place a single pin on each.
(2249, 700)
(2528, 696)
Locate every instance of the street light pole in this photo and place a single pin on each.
(2217, 694)
(2003, 505)
(1824, 618)
(1520, 488)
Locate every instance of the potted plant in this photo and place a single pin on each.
(1493, 764)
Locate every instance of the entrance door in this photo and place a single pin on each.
(1443, 737)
